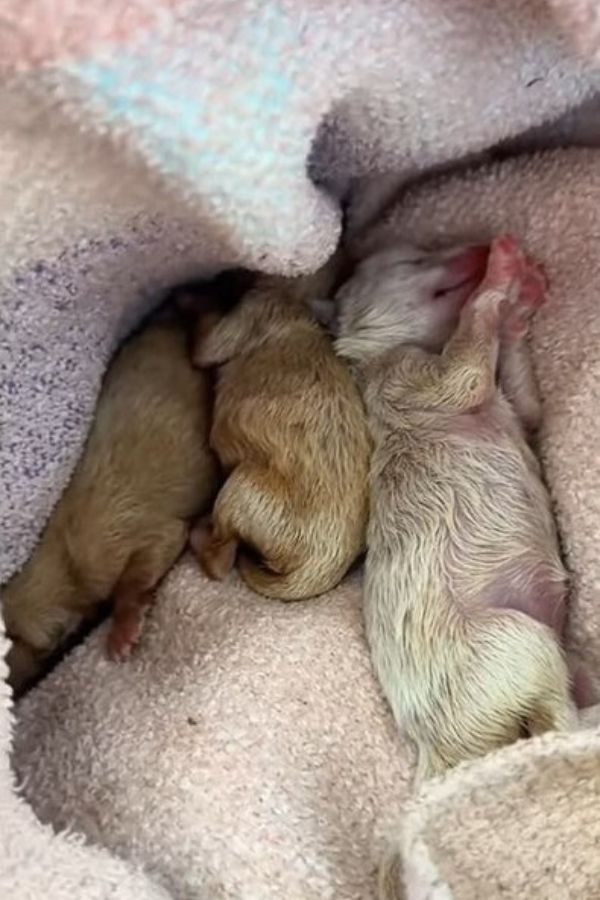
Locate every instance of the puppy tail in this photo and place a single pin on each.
(509, 679)
(255, 511)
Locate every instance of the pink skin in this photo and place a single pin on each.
(464, 272)
(124, 634)
(467, 270)
(509, 271)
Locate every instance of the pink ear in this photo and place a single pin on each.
(463, 273)
(468, 265)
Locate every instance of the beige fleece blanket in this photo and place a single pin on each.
(150, 142)
(245, 752)
(99, 211)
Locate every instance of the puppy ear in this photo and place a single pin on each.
(219, 338)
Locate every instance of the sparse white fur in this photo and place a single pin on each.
(463, 578)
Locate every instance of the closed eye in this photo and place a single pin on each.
(441, 292)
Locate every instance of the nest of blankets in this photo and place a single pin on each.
(245, 751)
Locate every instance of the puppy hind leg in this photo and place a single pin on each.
(24, 666)
(131, 598)
(518, 383)
(134, 590)
(516, 369)
(253, 510)
(216, 552)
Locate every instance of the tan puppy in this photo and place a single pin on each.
(464, 590)
(123, 520)
(290, 429)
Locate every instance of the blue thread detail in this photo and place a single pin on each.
(172, 115)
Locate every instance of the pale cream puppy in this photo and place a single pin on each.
(465, 591)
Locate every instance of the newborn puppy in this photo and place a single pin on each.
(290, 430)
(464, 593)
(145, 472)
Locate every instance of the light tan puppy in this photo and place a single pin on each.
(290, 430)
(464, 591)
(145, 472)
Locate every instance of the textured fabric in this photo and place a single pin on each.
(581, 21)
(244, 752)
(36, 864)
(275, 769)
(152, 142)
(144, 143)
(521, 823)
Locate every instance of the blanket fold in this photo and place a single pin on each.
(147, 143)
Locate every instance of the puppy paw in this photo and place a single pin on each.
(506, 263)
(531, 296)
(499, 290)
(216, 556)
(122, 638)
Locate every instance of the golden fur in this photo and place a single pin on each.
(465, 591)
(145, 472)
(290, 430)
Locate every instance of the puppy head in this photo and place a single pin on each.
(405, 295)
(264, 313)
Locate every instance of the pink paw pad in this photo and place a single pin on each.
(122, 638)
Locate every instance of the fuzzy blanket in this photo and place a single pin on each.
(146, 143)
(245, 752)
